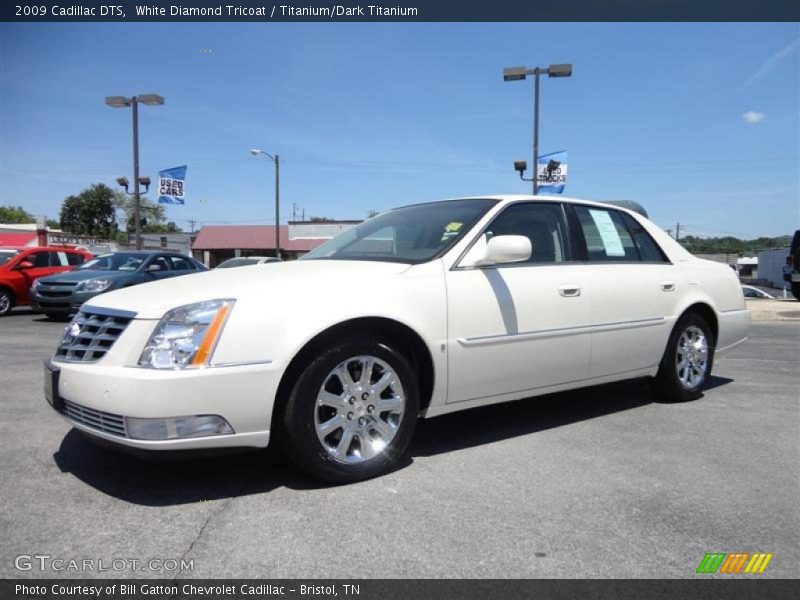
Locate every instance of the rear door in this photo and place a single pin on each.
(517, 327)
(632, 288)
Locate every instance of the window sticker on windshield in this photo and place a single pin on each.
(608, 232)
(451, 229)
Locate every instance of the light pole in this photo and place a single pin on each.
(133, 102)
(520, 73)
(277, 160)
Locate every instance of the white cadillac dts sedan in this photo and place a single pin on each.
(420, 311)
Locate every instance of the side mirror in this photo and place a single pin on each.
(25, 264)
(498, 250)
(153, 267)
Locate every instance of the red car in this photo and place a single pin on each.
(20, 267)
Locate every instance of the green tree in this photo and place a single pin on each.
(372, 213)
(153, 216)
(15, 214)
(732, 245)
(90, 213)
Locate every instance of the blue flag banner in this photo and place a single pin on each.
(171, 188)
(552, 172)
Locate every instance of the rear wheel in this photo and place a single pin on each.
(6, 302)
(352, 411)
(687, 361)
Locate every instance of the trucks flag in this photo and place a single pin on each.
(552, 172)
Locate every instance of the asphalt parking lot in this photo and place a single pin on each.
(604, 482)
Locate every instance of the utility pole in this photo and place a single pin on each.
(519, 73)
(277, 206)
(677, 232)
(277, 160)
(536, 72)
(191, 225)
(294, 211)
(137, 216)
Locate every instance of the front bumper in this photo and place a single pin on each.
(62, 304)
(97, 398)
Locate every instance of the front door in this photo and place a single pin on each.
(519, 326)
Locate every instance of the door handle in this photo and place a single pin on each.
(569, 290)
(667, 286)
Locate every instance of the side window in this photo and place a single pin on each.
(73, 258)
(607, 237)
(163, 262)
(647, 246)
(39, 259)
(58, 259)
(181, 264)
(543, 224)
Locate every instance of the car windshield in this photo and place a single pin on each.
(237, 262)
(119, 261)
(412, 234)
(7, 255)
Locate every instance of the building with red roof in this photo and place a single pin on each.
(215, 243)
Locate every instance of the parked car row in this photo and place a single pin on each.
(60, 295)
(57, 280)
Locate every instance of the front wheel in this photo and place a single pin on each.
(352, 411)
(687, 361)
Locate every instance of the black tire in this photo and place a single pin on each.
(667, 383)
(6, 302)
(55, 316)
(796, 290)
(298, 435)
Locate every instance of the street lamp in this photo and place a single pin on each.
(133, 102)
(276, 159)
(520, 73)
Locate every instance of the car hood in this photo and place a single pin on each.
(265, 282)
(83, 275)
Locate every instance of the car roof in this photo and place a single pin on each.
(39, 248)
(145, 252)
(509, 198)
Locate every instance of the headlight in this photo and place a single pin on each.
(96, 285)
(186, 336)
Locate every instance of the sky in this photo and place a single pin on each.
(698, 122)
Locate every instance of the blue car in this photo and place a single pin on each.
(59, 296)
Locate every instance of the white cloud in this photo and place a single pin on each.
(752, 116)
(772, 62)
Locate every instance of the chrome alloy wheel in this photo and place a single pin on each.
(359, 409)
(5, 303)
(691, 357)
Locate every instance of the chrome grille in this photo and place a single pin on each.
(96, 419)
(91, 334)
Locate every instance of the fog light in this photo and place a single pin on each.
(176, 427)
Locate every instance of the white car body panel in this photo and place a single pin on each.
(493, 334)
